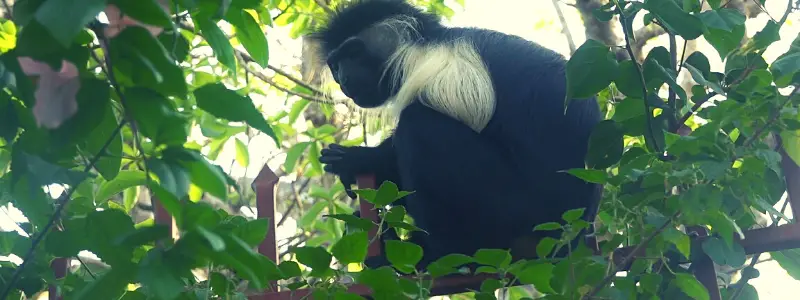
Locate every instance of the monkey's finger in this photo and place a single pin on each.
(326, 159)
(337, 147)
(332, 152)
(347, 182)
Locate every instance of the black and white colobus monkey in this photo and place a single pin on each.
(481, 135)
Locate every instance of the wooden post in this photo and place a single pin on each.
(368, 212)
(264, 186)
(703, 266)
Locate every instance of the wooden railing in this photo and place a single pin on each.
(760, 240)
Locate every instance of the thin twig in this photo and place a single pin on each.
(283, 73)
(564, 27)
(271, 82)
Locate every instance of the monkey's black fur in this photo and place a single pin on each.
(471, 190)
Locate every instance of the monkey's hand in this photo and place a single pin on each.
(347, 162)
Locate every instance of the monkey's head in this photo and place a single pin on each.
(361, 38)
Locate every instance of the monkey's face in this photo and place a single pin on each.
(357, 66)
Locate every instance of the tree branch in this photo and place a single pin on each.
(271, 82)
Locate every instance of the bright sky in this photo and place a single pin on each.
(533, 20)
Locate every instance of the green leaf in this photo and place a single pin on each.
(51, 14)
(605, 145)
(156, 117)
(537, 274)
(109, 164)
(454, 260)
(573, 214)
(109, 285)
(242, 155)
(221, 102)
(784, 69)
(125, 179)
(490, 285)
(650, 282)
(724, 254)
(588, 175)
(214, 240)
(218, 41)
(290, 269)
(547, 226)
(293, 155)
(679, 239)
(253, 232)
(314, 257)
(762, 39)
(353, 221)
(675, 19)
(493, 257)
(144, 236)
(725, 19)
(403, 255)
(382, 280)
(689, 285)
(590, 70)
(249, 33)
(202, 173)
(311, 215)
(545, 246)
(141, 60)
(351, 248)
(172, 177)
(723, 41)
(789, 260)
(386, 194)
(145, 11)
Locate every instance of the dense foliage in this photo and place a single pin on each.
(106, 111)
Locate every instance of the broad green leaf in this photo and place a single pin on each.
(725, 19)
(589, 175)
(675, 19)
(591, 69)
(545, 246)
(140, 59)
(249, 33)
(156, 117)
(109, 164)
(493, 257)
(312, 214)
(51, 14)
(218, 41)
(680, 240)
(290, 269)
(537, 274)
(785, 68)
(382, 280)
(723, 41)
(143, 235)
(353, 221)
(253, 232)
(221, 102)
(789, 260)
(723, 253)
(125, 179)
(242, 155)
(573, 214)
(172, 177)
(454, 260)
(790, 141)
(293, 155)
(547, 226)
(689, 285)
(145, 11)
(206, 176)
(314, 257)
(351, 248)
(403, 255)
(109, 285)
